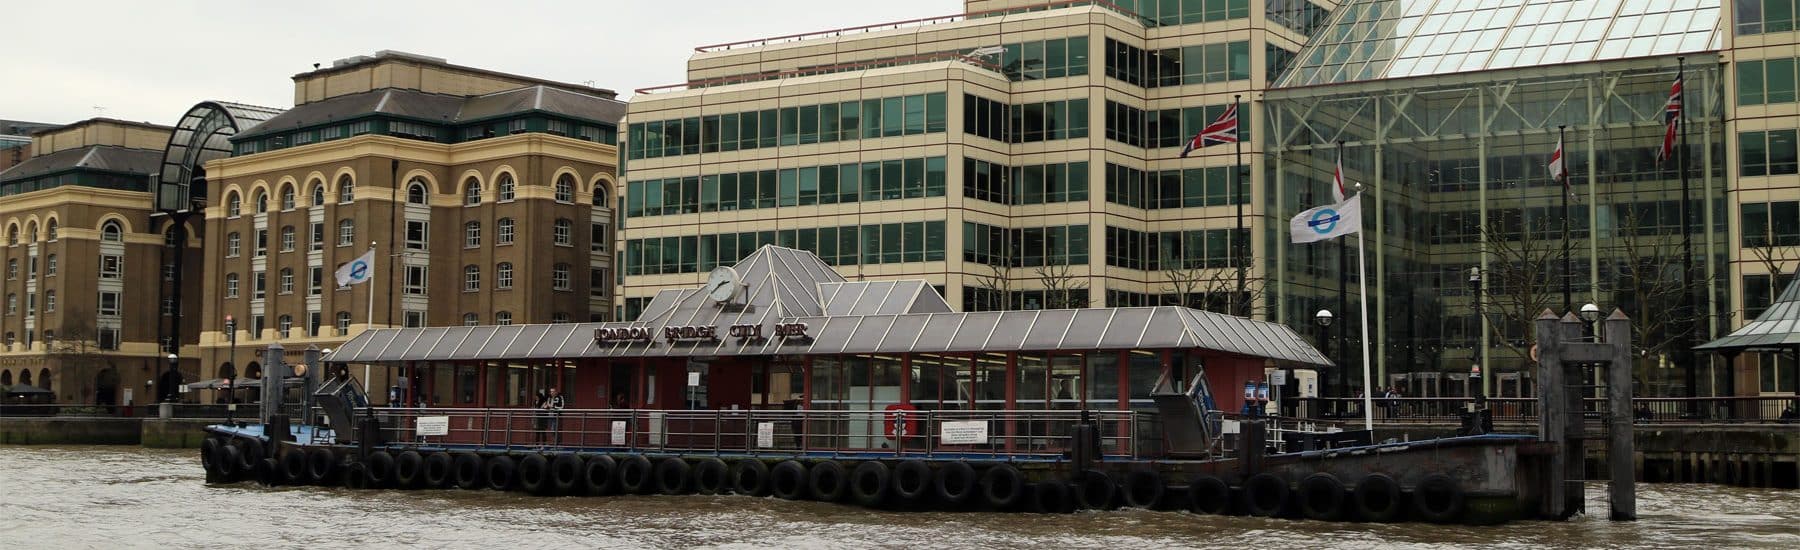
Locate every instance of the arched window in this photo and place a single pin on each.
(415, 192)
(287, 198)
(471, 191)
(169, 238)
(346, 189)
(503, 232)
(253, 370)
(234, 205)
(44, 378)
(31, 232)
(226, 370)
(600, 199)
(471, 278)
(343, 323)
(503, 276)
(470, 319)
(559, 317)
(112, 232)
(318, 193)
(503, 318)
(472, 234)
(505, 185)
(24, 374)
(565, 188)
(231, 285)
(50, 230)
(564, 232)
(260, 202)
(5, 378)
(12, 235)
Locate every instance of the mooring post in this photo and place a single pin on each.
(1574, 393)
(1551, 411)
(310, 384)
(274, 370)
(1619, 447)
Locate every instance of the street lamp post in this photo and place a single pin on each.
(231, 359)
(1591, 314)
(174, 362)
(1323, 318)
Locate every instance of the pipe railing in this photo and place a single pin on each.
(1646, 410)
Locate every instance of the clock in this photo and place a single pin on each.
(722, 285)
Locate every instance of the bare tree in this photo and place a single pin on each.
(1062, 288)
(77, 352)
(1520, 280)
(1210, 289)
(994, 290)
(1650, 288)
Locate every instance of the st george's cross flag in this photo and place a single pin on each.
(359, 270)
(1327, 222)
(1559, 169)
(1337, 180)
(1222, 130)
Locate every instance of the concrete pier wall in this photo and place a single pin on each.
(149, 432)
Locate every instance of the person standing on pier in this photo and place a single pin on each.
(552, 406)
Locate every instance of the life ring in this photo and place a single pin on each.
(828, 482)
(912, 482)
(268, 472)
(711, 477)
(534, 474)
(1142, 488)
(1002, 486)
(249, 454)
(871, 484)
(1051, 497)
(380, 468)
(565, 473)
(788, 480)
(1377, 498)
(356, 475)
(1438, 499)
(601, 475)
(955, 483)
(320, 465)
(293, 467)
(209, 458)
(409, 469)
(673, 476)
(466, 470)
(1321, 497)
(437, 470)
(229, 455)
(1094, 490)
(634, 474)
(1209, 495)
(750, 477)
(1265, 495)
(499, 472)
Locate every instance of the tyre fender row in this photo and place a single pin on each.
(1376, 497)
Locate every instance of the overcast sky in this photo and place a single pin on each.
(151, 60)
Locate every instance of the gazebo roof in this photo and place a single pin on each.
(1778, 328)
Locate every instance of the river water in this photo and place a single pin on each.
(127, 497)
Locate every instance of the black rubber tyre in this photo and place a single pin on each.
(1321, 496)
(321, 465)
(1051, 497)
(1003, 487)
(711, 477)
(227, 459)
(409, 469)
(635, 475)
(871, 484)
(437, 471)
(1209, 495)
(1142, 488)
(534, 474)
(566, 472)
(209, 458)
(1378, 498)
(788, 480)
(356, 475)
(1265, 495)
(828, 481)
(1094, 490)
(674, 477)
(250, 453)
(499, 472)
(293, 467)
(380, 468)
(466, 471)
(750, 477)
(600, 475)
(1438, 499)
(268, 472)
(955, 483)
(912, 482)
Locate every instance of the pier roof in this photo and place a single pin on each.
(1777, 329)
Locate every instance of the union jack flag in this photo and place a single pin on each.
(1671, 121)
(1222, 130)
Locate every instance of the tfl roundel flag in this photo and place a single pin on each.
(1329, 221)
(358, 270)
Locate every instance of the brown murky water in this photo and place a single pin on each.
(126, 497)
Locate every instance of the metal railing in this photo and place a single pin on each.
(780, 432)
(919, 22)
(1646, 410)
(149, 410)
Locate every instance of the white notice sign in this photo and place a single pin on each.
(693, 379)
(433, 425)
(1278, 377)
(765, 435)
(618, 432)
(966, 432)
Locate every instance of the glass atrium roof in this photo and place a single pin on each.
(1378, 39)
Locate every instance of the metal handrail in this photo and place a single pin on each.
(919, 22)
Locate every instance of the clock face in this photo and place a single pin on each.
(722, 285)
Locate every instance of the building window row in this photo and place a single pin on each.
(1200, 64)
(1301, 16)
(1164, 13)
(985, 298)
(831, 184)
(1025, 247)
(234, 206)
(1022, 185)
(1180, 188)
(1768, 153)
(1765, 16)
(1041, 59)
(1027, 122)
(1162, 128)
(1762, 81)
(1169, 250)
(1770, 223)
(798, 125)
(847, 245)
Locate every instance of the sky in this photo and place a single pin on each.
(151, 60)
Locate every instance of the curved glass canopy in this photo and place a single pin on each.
(203, 134)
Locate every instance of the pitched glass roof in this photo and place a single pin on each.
(1778, 328)
(1377, 39)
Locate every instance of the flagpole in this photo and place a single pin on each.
(371, 321)
(1563, 174)
(1240, 238)
(1687, 241)
(1343, 276)
(1362, 286)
